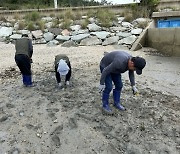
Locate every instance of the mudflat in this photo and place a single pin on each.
(47, 120)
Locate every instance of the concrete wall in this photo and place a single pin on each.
(114, 8)
(175, 4)
(165, 40)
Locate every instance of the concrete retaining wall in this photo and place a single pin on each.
(114, 8)
(175, 4)
(165, 40)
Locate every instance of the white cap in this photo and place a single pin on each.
(63, 68)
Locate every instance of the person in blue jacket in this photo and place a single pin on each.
(111, 67)
(23, 58)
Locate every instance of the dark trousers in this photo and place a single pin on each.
(24, 64)
(58, 78)
(113, 77)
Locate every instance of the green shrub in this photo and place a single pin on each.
(106, 17)
(31, 26)
(128, 17)
(34, 16)
(61, 16)
(66, 24)
(41, 25)
(84, 23)
(78, 15)
(69, 15)
(2, 18)
(55, 23)
(9, 6)
(22, 25)
(91, 13)
(143, 24)
(17, 17)
(52, 15)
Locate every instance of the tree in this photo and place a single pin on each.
(104, 2)
(149, 2)
(150, 5)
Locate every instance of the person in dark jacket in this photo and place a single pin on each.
(62, 68)
(111, 67)
(23, 58)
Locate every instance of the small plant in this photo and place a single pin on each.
(69, 14)
(41, 25)
(16, 16)
(106, 17)
(31, 26)
(143, 24)
(91, 13)
(66, 24)
(2, 18)
(61, 16)
(128, 17)
(55, 23)
(34, 16)
(21, 25)
(78, 15)
(84, 23)
(52, 15)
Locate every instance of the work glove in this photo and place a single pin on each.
(135, 91)
(101, 88)
(67, 83)
(60, 85)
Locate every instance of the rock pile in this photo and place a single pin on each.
(122, 33)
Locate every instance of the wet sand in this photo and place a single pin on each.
(47, 120)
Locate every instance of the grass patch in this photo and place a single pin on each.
(31, 26)
(17, 17)
(84, 23)
(22, 25)
(34, 16)
(66, 24)
(78, 15)
(2, 18)
(143, 24)
(69, 15)
(56, 23)
(91, 13)
(106, 17)
(41, 25)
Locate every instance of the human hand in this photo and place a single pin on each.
(60, 85)
(67, 83)
(135, 91)
(101, 88)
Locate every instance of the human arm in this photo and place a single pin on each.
(132, 81)
(105, 71)
(30, 49)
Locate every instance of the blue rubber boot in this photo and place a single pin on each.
(24, 80)
(27, 80)
(105, 101)
(116, 97)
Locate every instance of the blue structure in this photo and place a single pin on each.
(168, 23)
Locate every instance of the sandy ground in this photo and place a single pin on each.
(47, 120)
